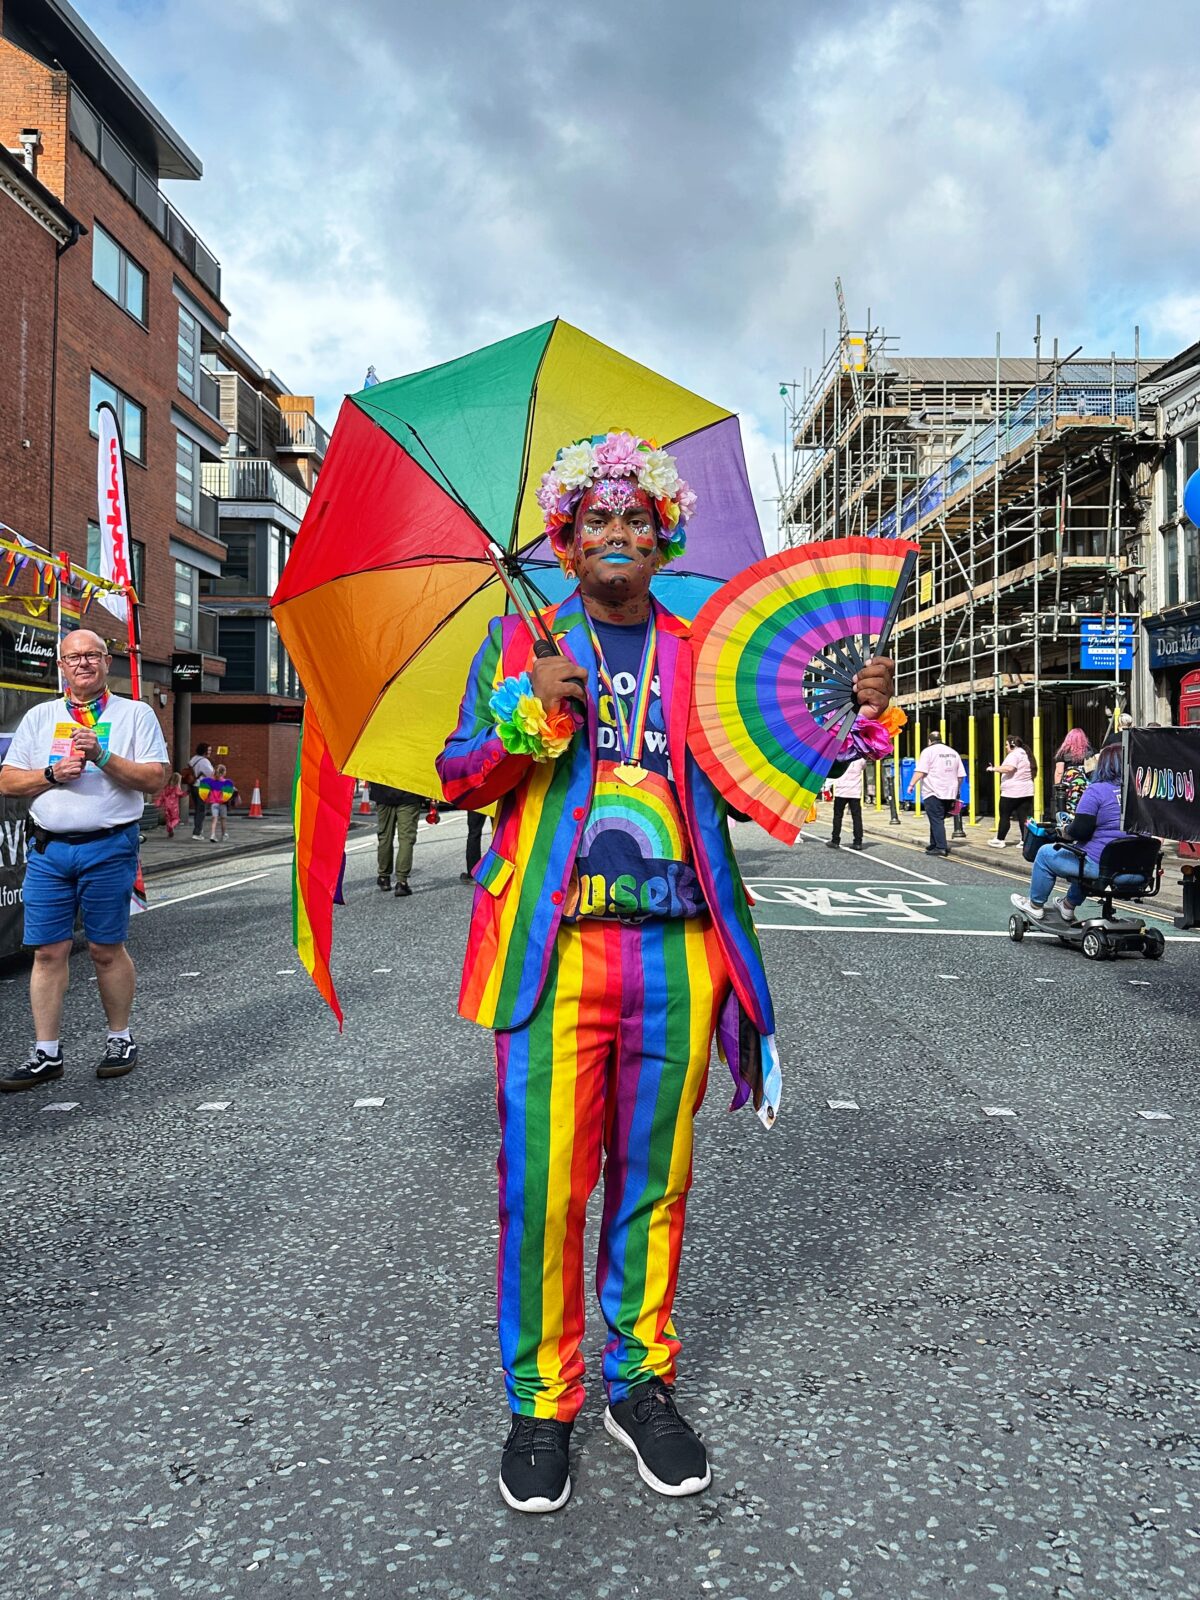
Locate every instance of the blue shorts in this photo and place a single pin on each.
(97, 878)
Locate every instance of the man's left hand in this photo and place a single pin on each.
(873, 686)
(85, 743)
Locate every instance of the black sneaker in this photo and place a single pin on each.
(402, 888)
(833, 844)
(120, 1056)
(383, 882)
(37, 1068)
(671, 1457)
(535, 1470)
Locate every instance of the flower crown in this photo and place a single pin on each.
(615, 455)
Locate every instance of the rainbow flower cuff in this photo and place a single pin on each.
(524, 726)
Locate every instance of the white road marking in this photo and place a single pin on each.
(946, 933)
(62, 1105)
(285, 972)
(234, 883)
(1156, 1116)
(189, 974)
(1141, 983)
(950, 977)
(376, 970)
(846, 974)
(369, 1100)
(215, 1105)
(842, 1105)
(998, 1111)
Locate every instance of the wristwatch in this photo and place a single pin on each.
(48, 774)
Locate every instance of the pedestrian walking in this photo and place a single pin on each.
(1017, 772)
(198, 767)
(847, 795)
(397, 813)
(938, 776)
(84, 762)
(168, 802)
(475, 822)
(611, 939)
(1071, 762)
(218, 810)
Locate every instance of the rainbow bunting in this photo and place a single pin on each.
(321, 802)
(45, 579)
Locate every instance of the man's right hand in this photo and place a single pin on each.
(556, 679)
(68, 770)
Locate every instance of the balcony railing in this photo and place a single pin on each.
(210, 395)
(209, 519)
(302, 431)
(248, 478)
(107, 151)
(207, 631)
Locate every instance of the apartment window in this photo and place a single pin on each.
(239, 573)
(1170, 541)
(187, 481)
(188, 361)
(185, 605)
(1170, 482)
(137, 563)
(118, 274)
(130, 415)
(1191, 455)
(1191, 561)
(238, 644)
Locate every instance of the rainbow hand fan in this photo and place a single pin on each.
(215, 791)
(776, 650)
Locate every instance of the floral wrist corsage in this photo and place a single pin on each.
(524, 725)
(871, 737)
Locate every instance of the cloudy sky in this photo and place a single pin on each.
(398, 181)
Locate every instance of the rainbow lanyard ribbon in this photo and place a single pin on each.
(631, 730)
(88, 716)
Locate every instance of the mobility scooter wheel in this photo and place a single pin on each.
(1016, 928)
(1153, 944)
(1095, 945)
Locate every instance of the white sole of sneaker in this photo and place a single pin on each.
(538, 1504)
(674, 1490)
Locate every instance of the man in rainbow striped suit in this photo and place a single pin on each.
(611, 939)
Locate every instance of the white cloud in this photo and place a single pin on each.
(398, 183)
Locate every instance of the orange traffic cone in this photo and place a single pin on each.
(364, 804)
(255, 802)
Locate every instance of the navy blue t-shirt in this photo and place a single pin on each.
(634, 858)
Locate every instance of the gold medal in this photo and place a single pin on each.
(630, 772)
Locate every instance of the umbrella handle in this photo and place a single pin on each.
(543, 649)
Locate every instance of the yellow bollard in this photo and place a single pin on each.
(971, 770)
(917, 754)
(1037, 777)
(879, 786)
(997, 760)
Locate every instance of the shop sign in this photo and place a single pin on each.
(28, 654)
(1099, 645)
(187, 671)
(1173, 643)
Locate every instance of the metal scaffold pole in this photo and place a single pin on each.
(996, 755)
(1037, 563)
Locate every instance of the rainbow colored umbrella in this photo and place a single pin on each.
(776, 651)
(390, 585)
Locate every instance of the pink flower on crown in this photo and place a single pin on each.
(687, 501)
(618, 456)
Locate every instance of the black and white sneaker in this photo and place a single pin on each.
(670, 1455)
(535, 1468)
(383, 881)
(37, 1068)
(120, 1056)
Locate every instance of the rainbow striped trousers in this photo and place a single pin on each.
(609, 1071)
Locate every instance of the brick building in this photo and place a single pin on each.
(132, 312)
(36, 230)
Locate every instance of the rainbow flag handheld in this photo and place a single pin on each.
(321, 802)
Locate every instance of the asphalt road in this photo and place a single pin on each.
(933, 1351)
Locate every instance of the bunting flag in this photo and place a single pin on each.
(45, 579)
(321, 801)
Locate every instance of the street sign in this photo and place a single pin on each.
(1098, 647)
(187, 671)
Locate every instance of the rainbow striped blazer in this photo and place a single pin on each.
(541, 808)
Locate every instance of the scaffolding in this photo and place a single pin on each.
(1026, 482)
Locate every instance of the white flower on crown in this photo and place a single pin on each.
(658, 476)
(575, 466)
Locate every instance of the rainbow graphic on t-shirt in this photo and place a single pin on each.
(648, 814)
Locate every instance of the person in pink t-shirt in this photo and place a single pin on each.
(938, 776)
(1017, 772)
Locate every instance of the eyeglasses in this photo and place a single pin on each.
(83, 658)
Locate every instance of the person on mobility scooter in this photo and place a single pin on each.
(1098, 858)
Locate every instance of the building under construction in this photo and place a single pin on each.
(1026, 483)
